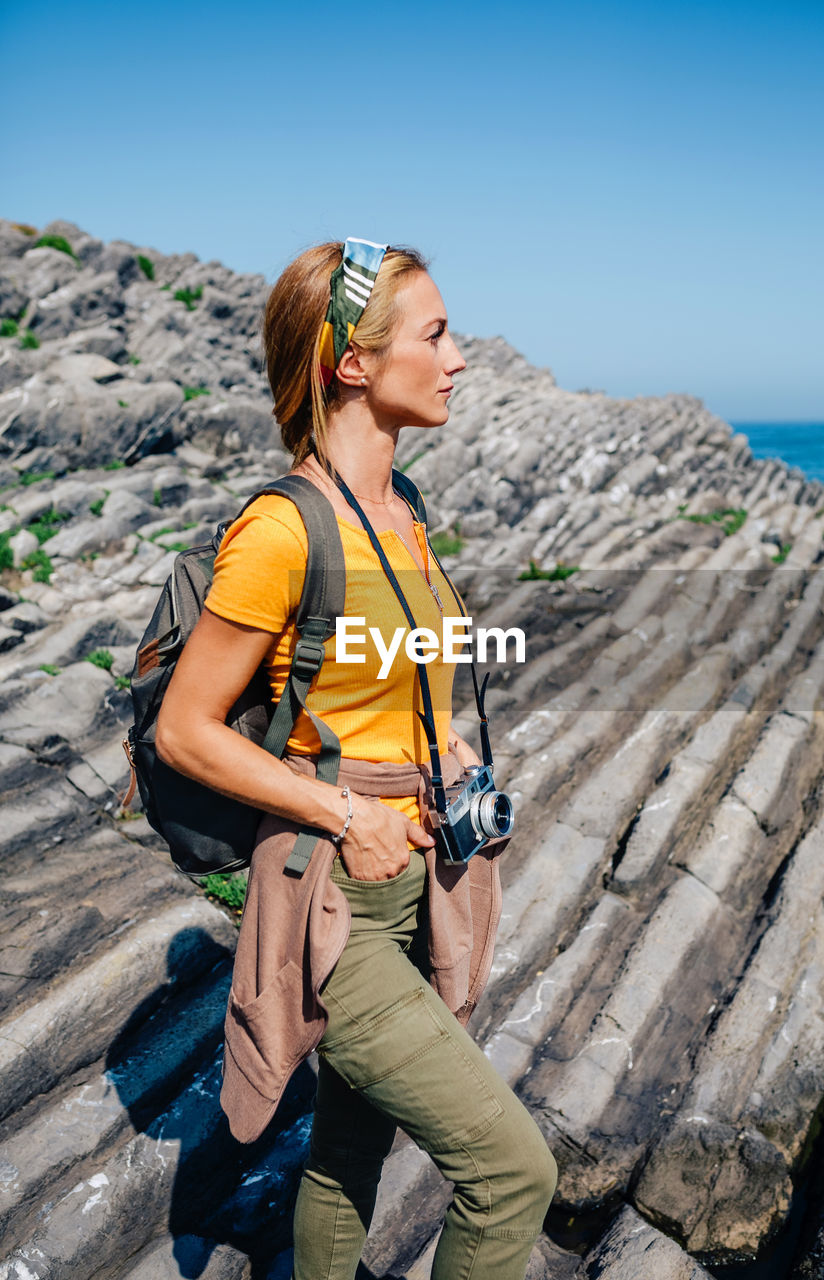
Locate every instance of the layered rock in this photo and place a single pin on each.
(656, 997)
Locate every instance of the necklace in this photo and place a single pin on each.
(375, 501)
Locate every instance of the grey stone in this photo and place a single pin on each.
(44, 270)
(78, 368)
(89, 534)
(22, 545)
(634, 1250)
(88, 299)
(87, 419)
(528, 1023)
(125, 510)
(171, 1258)
(77, 639)
(233, 422)
(585, 1087)
(13, 240)
(121, 258)
(18, 766)
(86, 247)
(37, 819)
(10, 637)
(25, 617)
(722, 1172)
(99, 340)
(73, 1024)
(93, 1113)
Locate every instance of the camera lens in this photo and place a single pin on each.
(492, 814)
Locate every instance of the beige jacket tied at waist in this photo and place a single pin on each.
(295, 927)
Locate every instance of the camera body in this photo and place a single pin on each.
(475, 814)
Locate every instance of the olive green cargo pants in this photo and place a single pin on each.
(393, 1054)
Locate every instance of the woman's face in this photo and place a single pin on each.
(411, 386)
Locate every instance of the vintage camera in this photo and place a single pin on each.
(474, 814)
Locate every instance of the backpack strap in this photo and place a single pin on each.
(409, 490)
(321, 603)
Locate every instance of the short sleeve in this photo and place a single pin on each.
(260, 567)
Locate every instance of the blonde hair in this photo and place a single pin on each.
(292, 324)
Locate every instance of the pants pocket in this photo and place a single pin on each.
(418, 1066)
(342, 876)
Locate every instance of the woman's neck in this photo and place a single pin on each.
(362, 454)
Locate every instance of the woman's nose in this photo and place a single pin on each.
(457, 363)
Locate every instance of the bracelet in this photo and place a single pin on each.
(341, 836)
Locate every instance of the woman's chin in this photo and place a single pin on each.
(429, 423)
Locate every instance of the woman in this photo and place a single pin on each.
(351, 956)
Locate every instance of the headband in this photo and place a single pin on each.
(351, 286)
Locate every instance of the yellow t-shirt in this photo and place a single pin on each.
(258, 578)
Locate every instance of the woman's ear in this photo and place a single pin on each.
(350, 370)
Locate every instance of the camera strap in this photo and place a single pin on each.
(427, 718)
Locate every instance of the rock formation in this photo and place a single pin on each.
(657, 991)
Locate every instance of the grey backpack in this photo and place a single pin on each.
(207, 832)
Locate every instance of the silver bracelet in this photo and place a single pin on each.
(341, 836)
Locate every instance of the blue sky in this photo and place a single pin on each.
(630, 193)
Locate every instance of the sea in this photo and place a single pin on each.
(799, 444)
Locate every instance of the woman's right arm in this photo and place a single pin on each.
(216, 665)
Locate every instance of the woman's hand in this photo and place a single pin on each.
(375, 846)
(466, 756)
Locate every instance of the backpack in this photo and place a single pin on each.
(207, 832)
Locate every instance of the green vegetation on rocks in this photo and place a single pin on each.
(228, 889)
(8, 327)
(146, 266)
(559, 573)
(189, 297)
(730, 519)
(191, 393)
(55, 242)
(46, 526)
(50, 668)
(446, 543)
(40, 564)
(29, 340)
(102, 658)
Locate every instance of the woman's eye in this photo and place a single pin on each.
(440, 332)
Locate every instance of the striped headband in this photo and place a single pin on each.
(351, 286)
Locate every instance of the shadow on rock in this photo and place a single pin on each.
(166, 1066)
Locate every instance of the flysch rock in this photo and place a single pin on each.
(90, 1115)
(634, 1250)
(756, 1083)
(75, 1021)
(662, 743)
